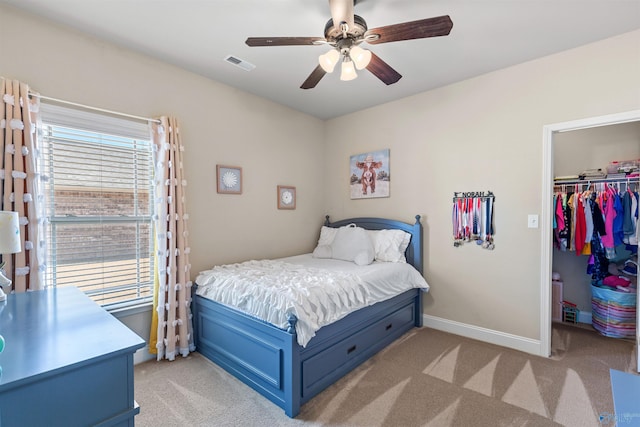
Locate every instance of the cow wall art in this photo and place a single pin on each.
(369, 175)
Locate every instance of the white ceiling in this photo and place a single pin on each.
(198, 34)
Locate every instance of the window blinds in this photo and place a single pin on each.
(99, 204)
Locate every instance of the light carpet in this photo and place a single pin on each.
(426, 378)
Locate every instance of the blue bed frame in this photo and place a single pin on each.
(270, 360)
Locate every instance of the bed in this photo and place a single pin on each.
(271, 360)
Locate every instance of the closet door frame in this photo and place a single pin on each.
(547, 214)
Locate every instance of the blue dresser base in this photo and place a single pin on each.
(67, 362)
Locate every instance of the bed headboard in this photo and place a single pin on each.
(414, 250)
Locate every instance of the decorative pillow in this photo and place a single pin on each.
(322, 251)
(327, 234)
(390, 245)
(352, 243)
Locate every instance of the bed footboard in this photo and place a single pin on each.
(270, 361)
(260, 355)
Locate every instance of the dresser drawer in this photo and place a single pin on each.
(325, 367)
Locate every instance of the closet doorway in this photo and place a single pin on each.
(554, 133)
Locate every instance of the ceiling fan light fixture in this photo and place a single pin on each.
(348, 71)
(360, 57)
(329, 60)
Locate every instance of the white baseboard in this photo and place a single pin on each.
(515, 342)
(143, 355)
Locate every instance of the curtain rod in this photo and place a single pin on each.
(88, 107)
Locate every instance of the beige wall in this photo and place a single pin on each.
(595, 148)
(219, 125)
(478, 135)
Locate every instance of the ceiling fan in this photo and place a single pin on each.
(345, 31)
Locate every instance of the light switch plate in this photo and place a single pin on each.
(532, 221)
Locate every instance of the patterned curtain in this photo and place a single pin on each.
(171, 328)
(20, 188)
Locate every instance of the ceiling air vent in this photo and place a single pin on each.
(247, 66)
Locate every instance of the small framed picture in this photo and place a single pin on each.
(286, 197)
(229, 179)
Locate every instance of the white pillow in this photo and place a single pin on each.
(327, 234)
(323, 249)
(352, 243)
(390, 245)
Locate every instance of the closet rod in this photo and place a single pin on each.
(88, 107)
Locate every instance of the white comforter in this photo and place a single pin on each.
(317, 291)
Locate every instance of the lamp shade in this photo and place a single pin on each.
(361, 57)
(329, 60)
(9, 233)
(348, 71)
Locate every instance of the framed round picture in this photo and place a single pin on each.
(286, 197)
(229, 179)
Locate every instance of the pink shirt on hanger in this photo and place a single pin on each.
(609, 212)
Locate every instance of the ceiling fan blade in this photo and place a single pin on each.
(284, 41)
(313, 79)
(341, 11)
(420, 29)
(382, 70)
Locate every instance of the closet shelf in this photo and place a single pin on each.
(631, 180)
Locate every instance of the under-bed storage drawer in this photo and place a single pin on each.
(325, 367)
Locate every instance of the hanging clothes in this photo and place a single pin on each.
(571, 204)
(609, 214)
(588, 219)
(630, 221)
(581, 226)
(559, 230)
(600, 266)
(618, 232)
(595, 221)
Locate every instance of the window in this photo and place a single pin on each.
(98, 200)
